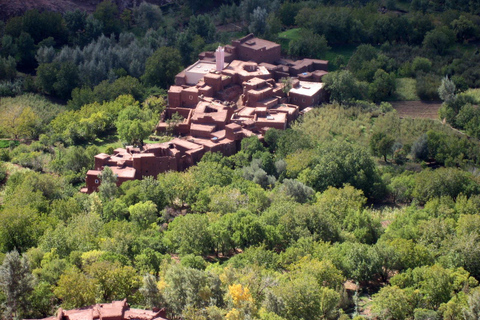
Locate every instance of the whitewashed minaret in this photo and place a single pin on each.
(220, 58)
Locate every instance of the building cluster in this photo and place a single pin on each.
(117, 310)
(240, 90)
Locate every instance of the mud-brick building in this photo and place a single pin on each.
(117, 310)
(227, 95)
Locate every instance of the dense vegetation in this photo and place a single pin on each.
(352, 212)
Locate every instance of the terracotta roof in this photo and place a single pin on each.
(117, 310)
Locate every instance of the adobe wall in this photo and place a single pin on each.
(259, 55)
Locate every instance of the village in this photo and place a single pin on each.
(238, 91)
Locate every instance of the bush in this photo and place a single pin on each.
(427, 85)
(421, 64)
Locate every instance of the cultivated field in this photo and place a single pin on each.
(417, 109)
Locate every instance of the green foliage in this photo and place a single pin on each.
(143, 213)
(76, 289)
(269, 242)
(16, 282)
(107, 12)
(191, 287)
(394, 303)
(162, 67)
(381, 144)
(26, 115)
(189, 234)
(382, 87)
(435, 284)
(421, 64)
(439, 40)
(426, 84)
(442, 182)
(343, 86)
(58, 79)
(107, 91)
(336, 165)
(308, 44)
(8, 69)
(134, 125)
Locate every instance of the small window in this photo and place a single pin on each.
(295, 99)
(303, 100)
(96, 181)
(190, 97)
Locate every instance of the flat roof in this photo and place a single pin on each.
(307, 88)
(184, 143)
(202, 127)
(257, 43)
(280, 117)
(102, 156)
(201, 67)
(175, 89)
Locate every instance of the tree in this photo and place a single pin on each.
(58, 78)
(107, 13)
(203, 26)
(258, 23)
(162, 67)
(381, 144)
(188, 287)
(343, 86)
(75, 22)
(419, 149)
(464, 28)
(439, 39)
(76, 289)
(302, 298)
(134, 125)
(67, 80)
(341, 163)
(150, 292)
(189, 234)
(297, 190)
(8, 69)
(16, 282)
(143, 213)
(308, 44)
(19, 122)
(391, 302)
(382, 87)
(108, 187)
(148, 16)
(446, 91)
(472, 312)
(114, 281)
(421, 64)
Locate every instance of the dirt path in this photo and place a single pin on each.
(417, 109)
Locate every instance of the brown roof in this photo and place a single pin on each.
(257, 43)
(117, 310)
(127, 172)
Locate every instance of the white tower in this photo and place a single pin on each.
(220, 58)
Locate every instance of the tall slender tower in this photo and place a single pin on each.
(220, 58)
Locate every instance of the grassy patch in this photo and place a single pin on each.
(6, 143)
(406, 90)
(345, 50)
(285, 37)
(290, 34)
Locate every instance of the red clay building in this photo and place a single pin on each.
(117, 310)
(227, 95)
